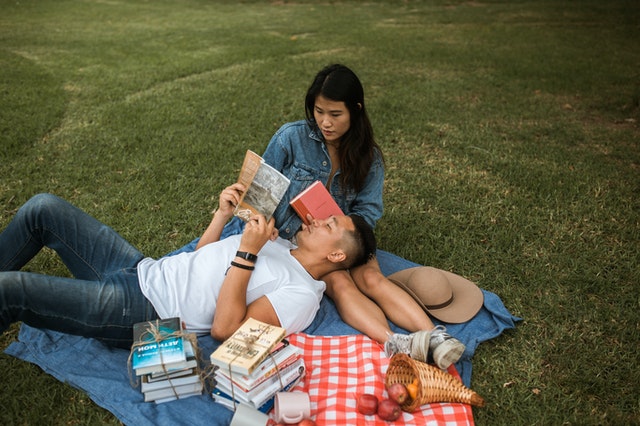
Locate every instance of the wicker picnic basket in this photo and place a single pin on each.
(434, 385)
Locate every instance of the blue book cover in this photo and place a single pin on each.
(157, 342)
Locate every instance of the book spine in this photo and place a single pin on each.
(247, 385)
(226, 388)
(273, 382)
(224, 381)
(175, 390)
(275, 357)
(290, 382)
(301, 209)
(147, 386)
(155, 377)
(225, 399)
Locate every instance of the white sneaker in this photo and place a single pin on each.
(397, 343)
(416, 345)
(445, 349)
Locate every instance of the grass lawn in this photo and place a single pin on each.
(510, 129)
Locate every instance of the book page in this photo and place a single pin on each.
(265, 187)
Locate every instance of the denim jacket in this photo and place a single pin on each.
(299, 153)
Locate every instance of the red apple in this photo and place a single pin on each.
(307, 422)
(389, 410)
(367, 404)
(398, 392)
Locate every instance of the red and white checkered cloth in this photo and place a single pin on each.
(339, 368)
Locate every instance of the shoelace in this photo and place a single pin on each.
(397, 343)
(439, 334)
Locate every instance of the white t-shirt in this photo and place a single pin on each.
(187, 285)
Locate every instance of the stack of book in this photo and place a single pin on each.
(254, 364)
(164, 358)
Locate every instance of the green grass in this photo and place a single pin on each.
(510, 130)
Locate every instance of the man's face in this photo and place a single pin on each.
(325, 234)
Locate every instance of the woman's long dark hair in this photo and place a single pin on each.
(358, 146)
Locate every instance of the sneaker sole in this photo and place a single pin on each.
(447, 353)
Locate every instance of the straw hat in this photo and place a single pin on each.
(442, 294)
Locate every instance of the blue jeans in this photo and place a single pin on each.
(102, 301)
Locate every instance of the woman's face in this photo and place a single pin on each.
(333, 118)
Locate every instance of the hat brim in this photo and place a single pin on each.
(467, 296)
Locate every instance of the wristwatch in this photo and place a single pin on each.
(247, 256)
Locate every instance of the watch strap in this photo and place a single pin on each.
(249, 257)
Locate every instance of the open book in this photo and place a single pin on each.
(265, 187)
(316, 201)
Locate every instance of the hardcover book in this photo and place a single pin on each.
(157, 343)
(175, 392)
(315, 201)
(269, 367)
(158, 371)
(160, 376)
(148, 386)
(265, 187)
(261, 393)
(182, 395)
(247, 347)
(227, 401)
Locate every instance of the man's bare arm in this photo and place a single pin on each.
(231, 307)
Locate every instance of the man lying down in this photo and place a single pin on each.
(213, 289)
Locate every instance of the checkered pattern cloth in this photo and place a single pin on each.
(339, 368)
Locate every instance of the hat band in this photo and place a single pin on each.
(441, 305)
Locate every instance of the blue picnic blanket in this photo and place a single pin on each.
(102, 371)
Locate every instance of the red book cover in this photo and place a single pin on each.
(316, 201)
